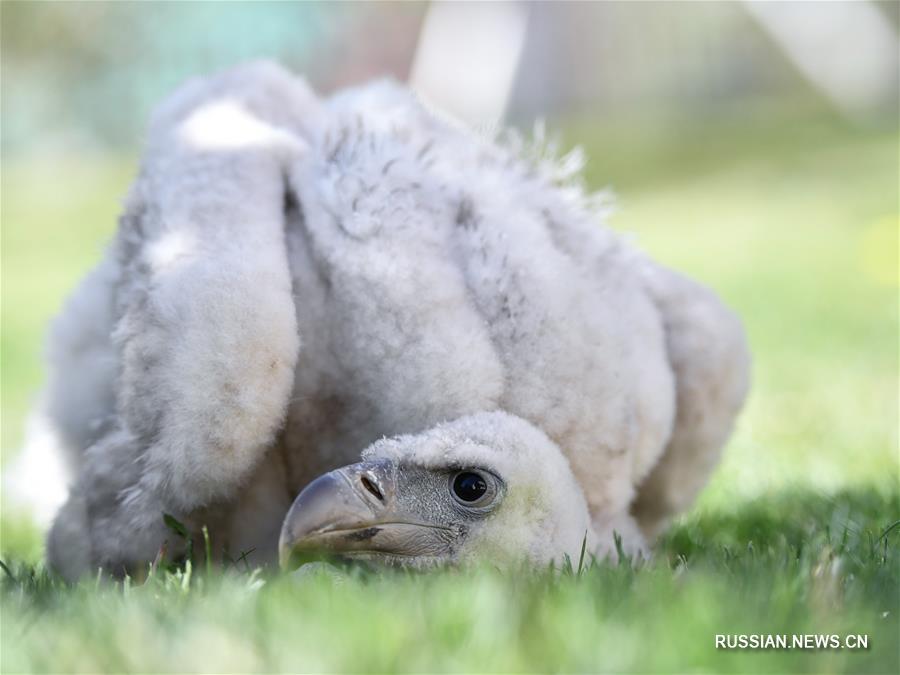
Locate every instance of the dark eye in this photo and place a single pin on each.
(476, 489)
(469, 487)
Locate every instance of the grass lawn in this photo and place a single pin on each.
(793, 221)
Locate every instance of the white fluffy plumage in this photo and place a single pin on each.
(296, 279)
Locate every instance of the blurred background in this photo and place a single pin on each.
(753, 146)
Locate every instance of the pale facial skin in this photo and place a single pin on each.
(390, 512)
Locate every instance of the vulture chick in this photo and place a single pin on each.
(299, 284)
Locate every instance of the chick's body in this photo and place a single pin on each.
(433, 274)
(423, 296)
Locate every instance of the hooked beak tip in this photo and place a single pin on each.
(351, 498)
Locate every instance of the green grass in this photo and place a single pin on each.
(792, 218)
(799, 564)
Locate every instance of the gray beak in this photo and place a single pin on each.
(354, 511)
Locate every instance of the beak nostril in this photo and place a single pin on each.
(370, 485)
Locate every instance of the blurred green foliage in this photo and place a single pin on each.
(68, 57)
